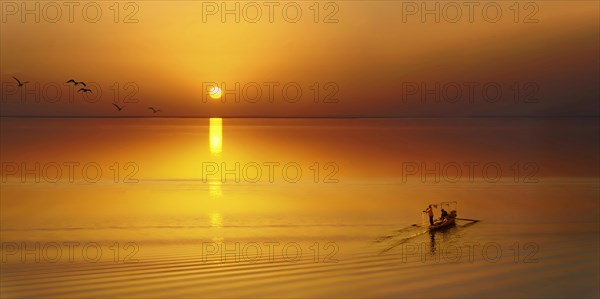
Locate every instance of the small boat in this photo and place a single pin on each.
(439, 224)
(448, 220)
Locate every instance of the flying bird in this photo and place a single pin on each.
(75, 82)
(85, 90)
(19, 82)
(118, 107)
(154, 110)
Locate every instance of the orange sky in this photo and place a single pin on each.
(367, 55)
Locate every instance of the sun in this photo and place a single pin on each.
(215, 92)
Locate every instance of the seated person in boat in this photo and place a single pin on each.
(444, 215)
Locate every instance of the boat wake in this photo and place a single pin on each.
(408, 233)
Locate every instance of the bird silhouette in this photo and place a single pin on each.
(19, 82)
(118, 107)
(85, 90)
(75, 82)
(154, 110)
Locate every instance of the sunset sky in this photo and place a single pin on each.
(364, 60)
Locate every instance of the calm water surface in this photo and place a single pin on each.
(304, 208)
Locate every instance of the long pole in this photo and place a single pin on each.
(474, 220)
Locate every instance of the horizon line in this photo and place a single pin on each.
(308, 117)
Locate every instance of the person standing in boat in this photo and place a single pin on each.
(429, 212)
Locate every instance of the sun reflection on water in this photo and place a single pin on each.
(216, 136)
(216, 147)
